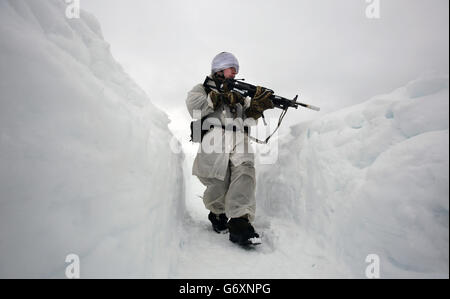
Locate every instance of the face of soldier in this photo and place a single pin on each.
(229, 73)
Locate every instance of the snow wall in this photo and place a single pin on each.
(370, 179)
(85, 160)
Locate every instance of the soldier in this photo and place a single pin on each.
(228, 171)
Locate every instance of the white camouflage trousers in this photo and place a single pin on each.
(235, 195)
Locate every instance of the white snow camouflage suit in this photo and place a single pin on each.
(228, 170)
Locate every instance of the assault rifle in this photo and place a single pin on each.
(246, 89)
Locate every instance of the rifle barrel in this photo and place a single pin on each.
(309, 106)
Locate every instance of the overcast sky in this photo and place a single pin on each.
(326, 50)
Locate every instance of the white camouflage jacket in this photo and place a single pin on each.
(219, 146)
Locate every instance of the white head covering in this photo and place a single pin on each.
(223, 61)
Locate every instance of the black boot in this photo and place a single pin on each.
(242, 232)
(219, 222)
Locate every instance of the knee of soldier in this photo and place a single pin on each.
(217, 187)
(248, 164)
(212, 182)
(246, 168)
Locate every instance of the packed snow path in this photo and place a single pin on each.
(284, 253)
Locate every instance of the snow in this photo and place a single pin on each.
(370, 179)
(90, 166)
(85, 160)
